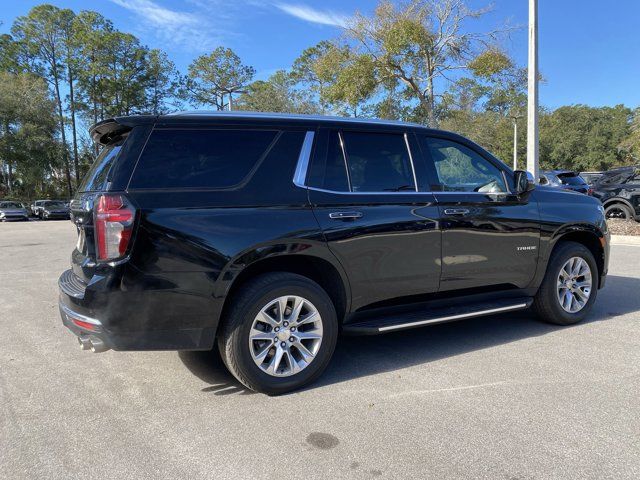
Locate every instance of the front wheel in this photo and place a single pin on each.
(569, 287)
(618, 210)
(279, 333)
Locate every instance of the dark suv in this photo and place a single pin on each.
(270, 234)
(619, 192)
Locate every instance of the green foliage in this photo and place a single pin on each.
(584, 138)
(29, 151)
(277, 94)
(216, 76)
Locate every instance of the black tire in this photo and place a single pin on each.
(546, 303)
(233, 338)
(618, 210)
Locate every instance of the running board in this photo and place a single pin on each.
(391, 323)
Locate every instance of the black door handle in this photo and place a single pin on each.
(345, 215)
(456, 211)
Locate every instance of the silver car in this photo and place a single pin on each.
(12, 211)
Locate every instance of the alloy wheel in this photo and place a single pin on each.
(285, 336)
(574, 284)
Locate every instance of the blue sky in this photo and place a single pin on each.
(589, 49)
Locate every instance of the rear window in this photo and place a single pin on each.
(176, 158)
(96, 177)
(571, 179)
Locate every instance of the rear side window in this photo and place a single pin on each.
(329, 169)
(96, 177)
(200, 158)
(570, 179)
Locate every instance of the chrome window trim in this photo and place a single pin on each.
(302, 167)
(344, 158)
(413, 168)
(300, 175)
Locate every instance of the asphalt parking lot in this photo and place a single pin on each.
(501, 397)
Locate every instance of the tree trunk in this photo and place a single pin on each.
(72, 107)
(9, 177)
(431, 104)
(6, 160)
(65, 153)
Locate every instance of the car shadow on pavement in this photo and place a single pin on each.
(368, 355)
(208, 367)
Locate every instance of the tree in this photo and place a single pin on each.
(217, 76)
(584, 138)
(277, 94)
(162, 81)
(41, 36)
(630, 146)
(28, 148)
(423, 43)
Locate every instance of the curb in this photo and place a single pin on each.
(625, 240)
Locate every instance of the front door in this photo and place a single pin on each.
(490, 236)
(374, 215)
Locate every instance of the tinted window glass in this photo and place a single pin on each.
(378, 162)
(461, 169)
(571, 179)
(328, 170)
(96, 177)
(10, 205)
(200, 158)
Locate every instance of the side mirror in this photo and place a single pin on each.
(524, 181)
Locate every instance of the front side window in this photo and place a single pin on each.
(177, 158)
(460, 169)
(378, 162)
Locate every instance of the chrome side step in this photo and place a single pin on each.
(379, 325)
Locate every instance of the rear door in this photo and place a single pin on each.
(490, 236)
(377, 218)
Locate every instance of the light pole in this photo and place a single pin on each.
(515, 119)
(532, 94)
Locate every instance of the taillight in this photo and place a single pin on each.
(590, 191)
(113, 221)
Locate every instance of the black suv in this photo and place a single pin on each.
(270, 234)
(619, 192)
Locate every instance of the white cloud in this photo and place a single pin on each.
(310, 14)
(183, 29)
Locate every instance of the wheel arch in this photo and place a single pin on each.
(589, 236)
(325, 273)
(614, 200)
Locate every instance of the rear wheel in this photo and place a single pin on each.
(618, 210)
(279, 333)
(569, 287)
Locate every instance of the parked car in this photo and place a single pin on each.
(54, 209)
(270, 234)
(619, 192)
(35, 207)
(12, 211)
(565, 179)
(591, 177)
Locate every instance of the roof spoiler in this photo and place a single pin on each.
(107, 130)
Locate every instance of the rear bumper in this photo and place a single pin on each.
(98, 312)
